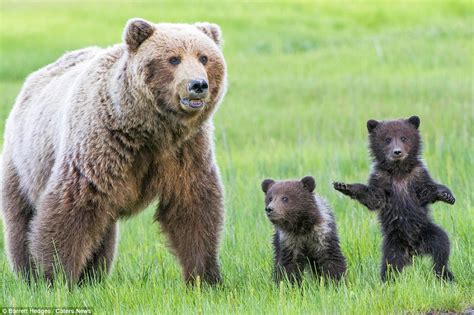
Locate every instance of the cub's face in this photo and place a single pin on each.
(394, 141)
(179, 66)
(289, 202)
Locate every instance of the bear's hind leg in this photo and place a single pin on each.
(17, 213)
(436, 243)
(102, 259)
(70, 223)
(395, 258)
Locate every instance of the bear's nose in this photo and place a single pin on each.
(397, 152)
(268, 209)
(197, 86)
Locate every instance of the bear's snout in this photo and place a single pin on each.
(194, 93)
(397, 153)
(198, 88)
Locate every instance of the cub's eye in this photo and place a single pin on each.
(175, 60)
(203, 59)
(284, 199)
(270, 199)
(404, 139)
(388, 140)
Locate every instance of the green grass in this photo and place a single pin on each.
(303, 81)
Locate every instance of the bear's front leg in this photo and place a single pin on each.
(373, 199)
(444, 194)
(289, 267)
(70, 223)
(426, 193)
(191, 213)
(432, 192)
(330, 263)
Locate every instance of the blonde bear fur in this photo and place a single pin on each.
(99, 134)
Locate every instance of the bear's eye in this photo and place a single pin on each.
(284, 199)
(175, 60)
(203, 59)
(270, 199)
(388, 140)
(404, 139)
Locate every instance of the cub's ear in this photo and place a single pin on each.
(415, 121)
(371, 124)
(309, 183)
(136, 31)
(267, 184)
(211, 30)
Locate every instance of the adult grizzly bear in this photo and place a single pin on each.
(101, 133)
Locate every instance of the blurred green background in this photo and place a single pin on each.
(303, 80)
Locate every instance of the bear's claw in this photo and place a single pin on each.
(344, 188)
(447, 197)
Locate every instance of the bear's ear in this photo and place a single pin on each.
(212, 30)
(136, 31)
(309, 183)
(267, 184)
(415, 121)
(371, 124)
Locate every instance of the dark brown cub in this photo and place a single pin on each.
(305, 230)
(401, 188)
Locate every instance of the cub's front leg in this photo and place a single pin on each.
(372, 198)
(444, 194)
(288, 268)
(286, 263)
(432, 192)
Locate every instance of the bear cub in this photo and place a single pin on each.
(401, 188)
(305, 231)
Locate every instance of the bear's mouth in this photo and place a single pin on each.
(272, 216)
(397, 158)
(194, 104)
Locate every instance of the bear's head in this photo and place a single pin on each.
(290, 205)
(395, 144)
(178, 67)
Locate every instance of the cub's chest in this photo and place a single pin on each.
(402, 212)
(400, 188)
(303, 244)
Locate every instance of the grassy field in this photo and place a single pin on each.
(303, 81)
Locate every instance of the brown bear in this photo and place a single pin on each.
(99, 134)
(401, 188)
(305, 231)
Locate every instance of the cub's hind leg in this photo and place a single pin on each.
(395, 257)
(436, 243)
(17, 213)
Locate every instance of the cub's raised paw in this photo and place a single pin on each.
(344, 188)
(447, 197)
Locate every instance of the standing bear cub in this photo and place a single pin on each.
(305, 231)
(99, 134)
(401, 188)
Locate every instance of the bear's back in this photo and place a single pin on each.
(32, 131)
